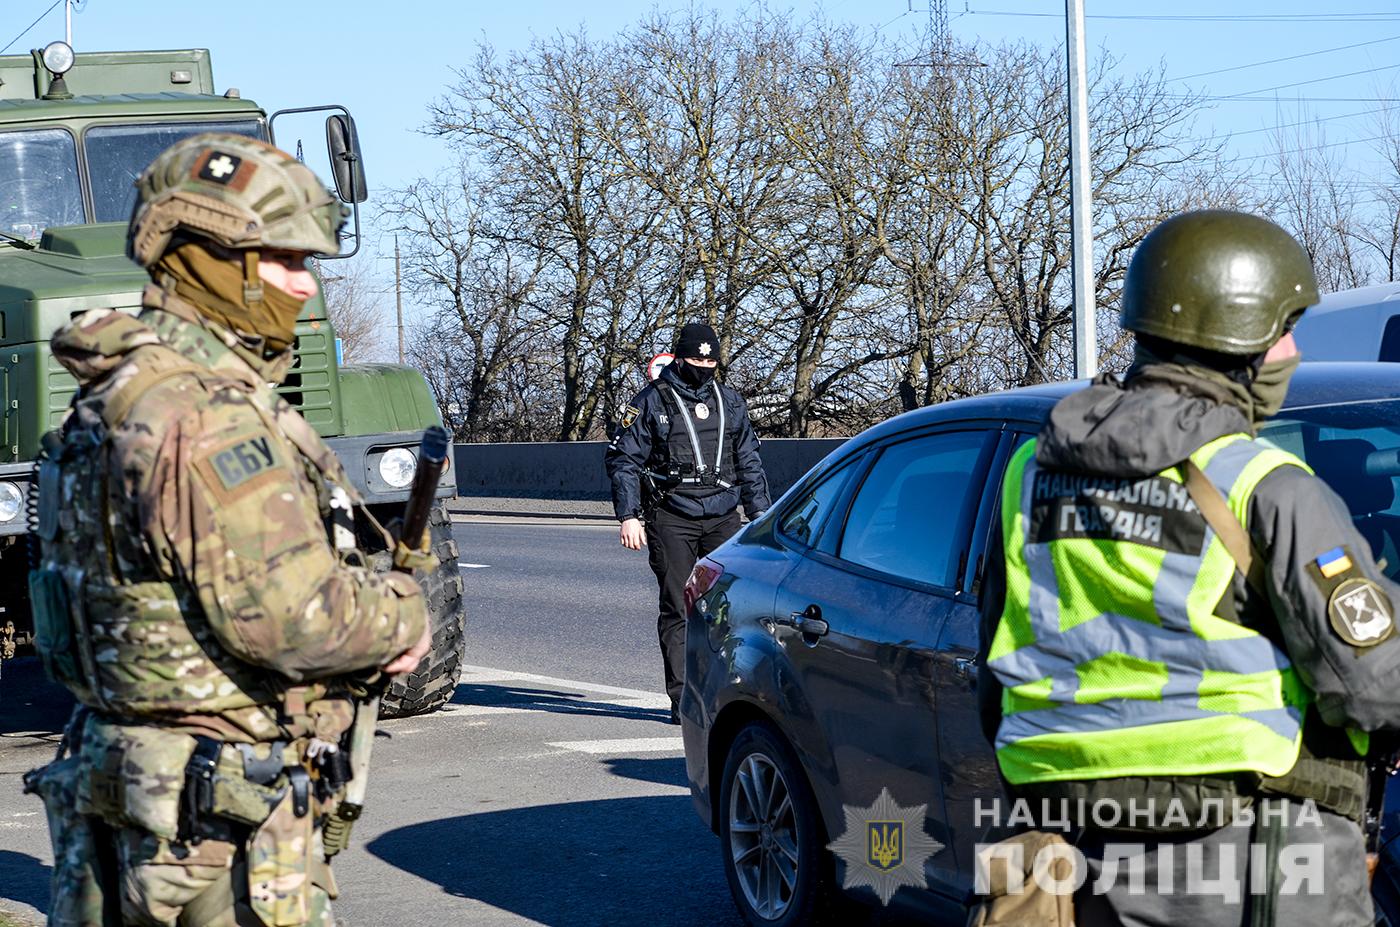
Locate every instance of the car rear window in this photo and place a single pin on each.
(910, 516)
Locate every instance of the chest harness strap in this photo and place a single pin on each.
(701, 468)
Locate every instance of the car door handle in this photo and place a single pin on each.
(808, 622)
(965, 669)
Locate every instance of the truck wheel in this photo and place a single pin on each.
(431, 685)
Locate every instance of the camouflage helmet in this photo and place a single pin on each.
(233, 190)
(1216, 279)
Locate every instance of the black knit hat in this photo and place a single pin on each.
(697, 340)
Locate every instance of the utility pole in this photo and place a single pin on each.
(1086, 349)
(398, 294)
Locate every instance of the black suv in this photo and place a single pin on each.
(831, 644)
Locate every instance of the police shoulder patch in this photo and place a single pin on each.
(238, 467)
(630, 416)
(1360, 613)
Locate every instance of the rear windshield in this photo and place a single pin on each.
(38, 182)
(117, 155)
(1356, 449)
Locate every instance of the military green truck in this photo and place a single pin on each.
(75, 132)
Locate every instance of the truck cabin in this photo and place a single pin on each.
(72, 145)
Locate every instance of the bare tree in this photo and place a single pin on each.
(867, 237)
(355, 306)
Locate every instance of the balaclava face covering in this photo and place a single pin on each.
(1270, 385)
(231, 293)
(692, 375)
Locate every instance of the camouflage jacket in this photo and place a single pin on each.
(202, 567)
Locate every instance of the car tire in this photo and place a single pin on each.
(431, 684)
(771, 834)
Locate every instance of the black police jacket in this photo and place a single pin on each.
(651, 460)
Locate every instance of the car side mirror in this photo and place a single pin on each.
(347, 164)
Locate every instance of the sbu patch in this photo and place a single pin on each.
(239, 467)
(1360, 613)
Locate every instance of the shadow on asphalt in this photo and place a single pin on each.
(669, 770)
(626, 862)
(551, 700)
(24, 879)
(29, 701)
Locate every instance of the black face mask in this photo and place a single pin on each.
(693, 376)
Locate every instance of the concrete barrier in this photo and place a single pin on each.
(574, 469)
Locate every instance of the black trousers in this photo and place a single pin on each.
(674, 543)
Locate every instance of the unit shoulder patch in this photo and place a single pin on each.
(1360, 612)
(237, 468)
(630, 415)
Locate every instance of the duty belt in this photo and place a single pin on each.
(229, 787)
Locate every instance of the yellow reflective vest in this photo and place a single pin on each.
(1113, 659)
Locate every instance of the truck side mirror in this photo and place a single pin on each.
(347, 164)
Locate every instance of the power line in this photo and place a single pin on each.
(1315, 80)
(1381, 17)
(1307, 148)
(1235, 99)
(1294, 125)
(30, 26)
(1324, 51)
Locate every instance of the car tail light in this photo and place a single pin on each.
(702, 579)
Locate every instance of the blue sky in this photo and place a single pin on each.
(386, 60)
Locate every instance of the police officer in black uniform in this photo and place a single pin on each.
(684, 459)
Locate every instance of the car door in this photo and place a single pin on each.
(884, 585)
(967, 764)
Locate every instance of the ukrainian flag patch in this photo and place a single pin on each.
(1333, 563)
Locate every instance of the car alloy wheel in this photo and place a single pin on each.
(771, 834)
(763, 836)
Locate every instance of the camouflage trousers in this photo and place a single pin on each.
(108, 872)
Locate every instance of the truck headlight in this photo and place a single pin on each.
(397, 467)
(11, 502)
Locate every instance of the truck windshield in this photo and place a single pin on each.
(38, 182)
(1355, 448)
(116, 156)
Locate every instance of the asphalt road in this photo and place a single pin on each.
(549, 792)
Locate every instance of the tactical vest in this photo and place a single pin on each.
(1113, 660)
(137, 648)
(698, 450)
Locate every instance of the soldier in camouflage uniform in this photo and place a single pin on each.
(192, 592)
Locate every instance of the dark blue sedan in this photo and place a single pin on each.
(830, 668)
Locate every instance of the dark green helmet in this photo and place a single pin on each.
(1217, 279)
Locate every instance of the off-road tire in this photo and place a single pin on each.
(430, 686)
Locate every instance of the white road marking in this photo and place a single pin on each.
(596, 698)
(473, 566)
(624, 745)
(488, 674)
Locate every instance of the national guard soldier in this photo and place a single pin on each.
(1190, 637)
(189, 592)
(684, 459)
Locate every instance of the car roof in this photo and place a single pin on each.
(1318, 384)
